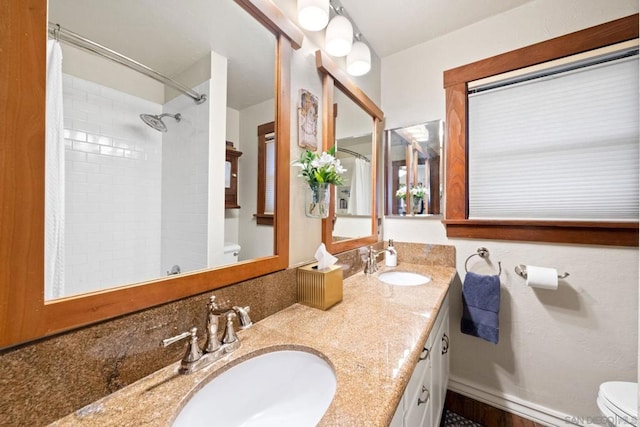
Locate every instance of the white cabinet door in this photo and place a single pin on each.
(440, 367)
(417, 395)
(418, 406)
(423, 399)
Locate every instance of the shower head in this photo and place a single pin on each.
(156, 121)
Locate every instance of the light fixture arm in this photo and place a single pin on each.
(338, 10)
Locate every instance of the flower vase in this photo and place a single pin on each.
(402, 207)
(416, 205)
(317, 199)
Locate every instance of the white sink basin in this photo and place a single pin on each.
(403, 278)
(281, 388)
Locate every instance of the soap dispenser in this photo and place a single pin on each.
(391, 257)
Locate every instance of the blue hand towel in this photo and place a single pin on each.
(480, 306)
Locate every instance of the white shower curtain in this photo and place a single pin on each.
(360, 195)
(54, 176)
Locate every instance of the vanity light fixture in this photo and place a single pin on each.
(313, 15)
(339, 36)
(359, 59)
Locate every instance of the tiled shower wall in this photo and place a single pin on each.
(185, 184)
(113, 187)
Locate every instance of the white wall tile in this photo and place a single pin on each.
(111, 210)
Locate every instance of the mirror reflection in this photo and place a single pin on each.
(414, 168)
(354, 148)
(145, 180)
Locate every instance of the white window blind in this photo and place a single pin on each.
(560, 147)
(270, 172)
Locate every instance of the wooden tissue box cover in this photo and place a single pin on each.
(319, 288)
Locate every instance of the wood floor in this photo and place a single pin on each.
(484, 414)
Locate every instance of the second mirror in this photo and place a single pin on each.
(413, 184)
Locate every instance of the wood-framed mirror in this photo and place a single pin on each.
(25, 313)
(352, 122)
(414, 161)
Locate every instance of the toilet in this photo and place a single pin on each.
(618, 402)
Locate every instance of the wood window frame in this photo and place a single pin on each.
(456, 80)
(263, 218)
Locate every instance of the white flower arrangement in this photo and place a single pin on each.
(418, 192)
(320, 168)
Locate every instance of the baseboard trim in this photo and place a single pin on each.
(514, 405)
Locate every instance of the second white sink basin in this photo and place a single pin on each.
(281, 388)
(403, 278)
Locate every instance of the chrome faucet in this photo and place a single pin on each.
(371, 259)
(214, 349)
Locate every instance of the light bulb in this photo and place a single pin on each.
(359, 59)
(313, 15)
(339, 36)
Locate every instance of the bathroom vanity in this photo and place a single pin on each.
(423, 400)
(387, 346)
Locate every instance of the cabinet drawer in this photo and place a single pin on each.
(419, 408)
(421, 373)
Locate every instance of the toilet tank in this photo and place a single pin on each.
(231, 252)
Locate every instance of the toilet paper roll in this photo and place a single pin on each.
(542, 277)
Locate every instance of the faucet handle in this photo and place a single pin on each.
(229, 335)
(193, 352)
(243, 316)
(168, 341)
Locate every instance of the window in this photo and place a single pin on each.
(266, 174)
(537, 156)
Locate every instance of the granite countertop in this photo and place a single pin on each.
(373, 340)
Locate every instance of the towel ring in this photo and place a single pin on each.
(482, 252)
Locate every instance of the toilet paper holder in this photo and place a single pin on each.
(521, 271)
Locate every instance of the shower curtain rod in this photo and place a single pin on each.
(353, 153)
(63, 34)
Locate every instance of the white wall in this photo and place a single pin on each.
(193, 225)
(112, 162)
(255, 240)
(92, 67)
(352, 121)
(185, 174)
(555, 347)
(217, 134)
(305, 233)
(232, 216)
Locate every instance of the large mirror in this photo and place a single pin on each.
(141, 176)
(352, 122)
(413, 169)
(143, 163)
